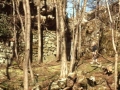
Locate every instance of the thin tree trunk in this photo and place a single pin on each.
(80, 40)
(27, 41)
(72, 42)
(57, 32)
(21, 21)
(23, 30)
(31, 72)
(64, 70)
(114, 47)
(79, 25)
(72, 63)
(39, 37)
(119, 8)
(15, 38)
(119, 12)
(79, 29)
(73, 56)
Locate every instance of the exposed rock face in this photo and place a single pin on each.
(100, 32)
(91, 32)
(106, 40)
(101, 28)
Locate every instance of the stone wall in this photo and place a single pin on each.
(6, 53)
(48, 47)
(49, 44)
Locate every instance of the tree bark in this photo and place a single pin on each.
(114, 47)
(79, 29)
(75, 41)
(64, 70)
(21, 21)
(39, 36)
(27, 41)
(72, 43)
(31, 73)
(119, 8)
(15, 51)
(57, 32)
(79, 25)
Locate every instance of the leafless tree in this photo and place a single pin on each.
(57, 31)
(119, 8)
(64, 70)
(15, 51)
(75, 41)
(39, 36)
(114, 46)
(72, 43)
(27, 29)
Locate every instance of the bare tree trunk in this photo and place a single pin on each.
(73, 57)
(14, 47)
(79, 30)
(27, 41)
(80, 41)
(31, 72)
(119, 8)
(23, 30)
(58, 32)
(39, 37)
(15, 32)
(64, 70)
(79, 24)
(72, 63)
(21, 21)
(114, 47)
(83, 12)
(72, 43)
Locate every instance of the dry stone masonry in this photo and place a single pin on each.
(6, 53)
(49, 45)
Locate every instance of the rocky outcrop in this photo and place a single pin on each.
(91, 32)
(104, 40)
(99, 30)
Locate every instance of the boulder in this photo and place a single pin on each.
(71, 79)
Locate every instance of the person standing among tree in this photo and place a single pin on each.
(94, 48)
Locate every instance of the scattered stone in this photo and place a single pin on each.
(36, 87)
(62, 83)
(71, 79)
(92, 81)
(54, 86)
(81, 83)
(108, 69)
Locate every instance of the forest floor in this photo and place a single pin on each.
(48, 72)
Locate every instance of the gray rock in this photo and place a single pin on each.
(54, 86)
(62, 83)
